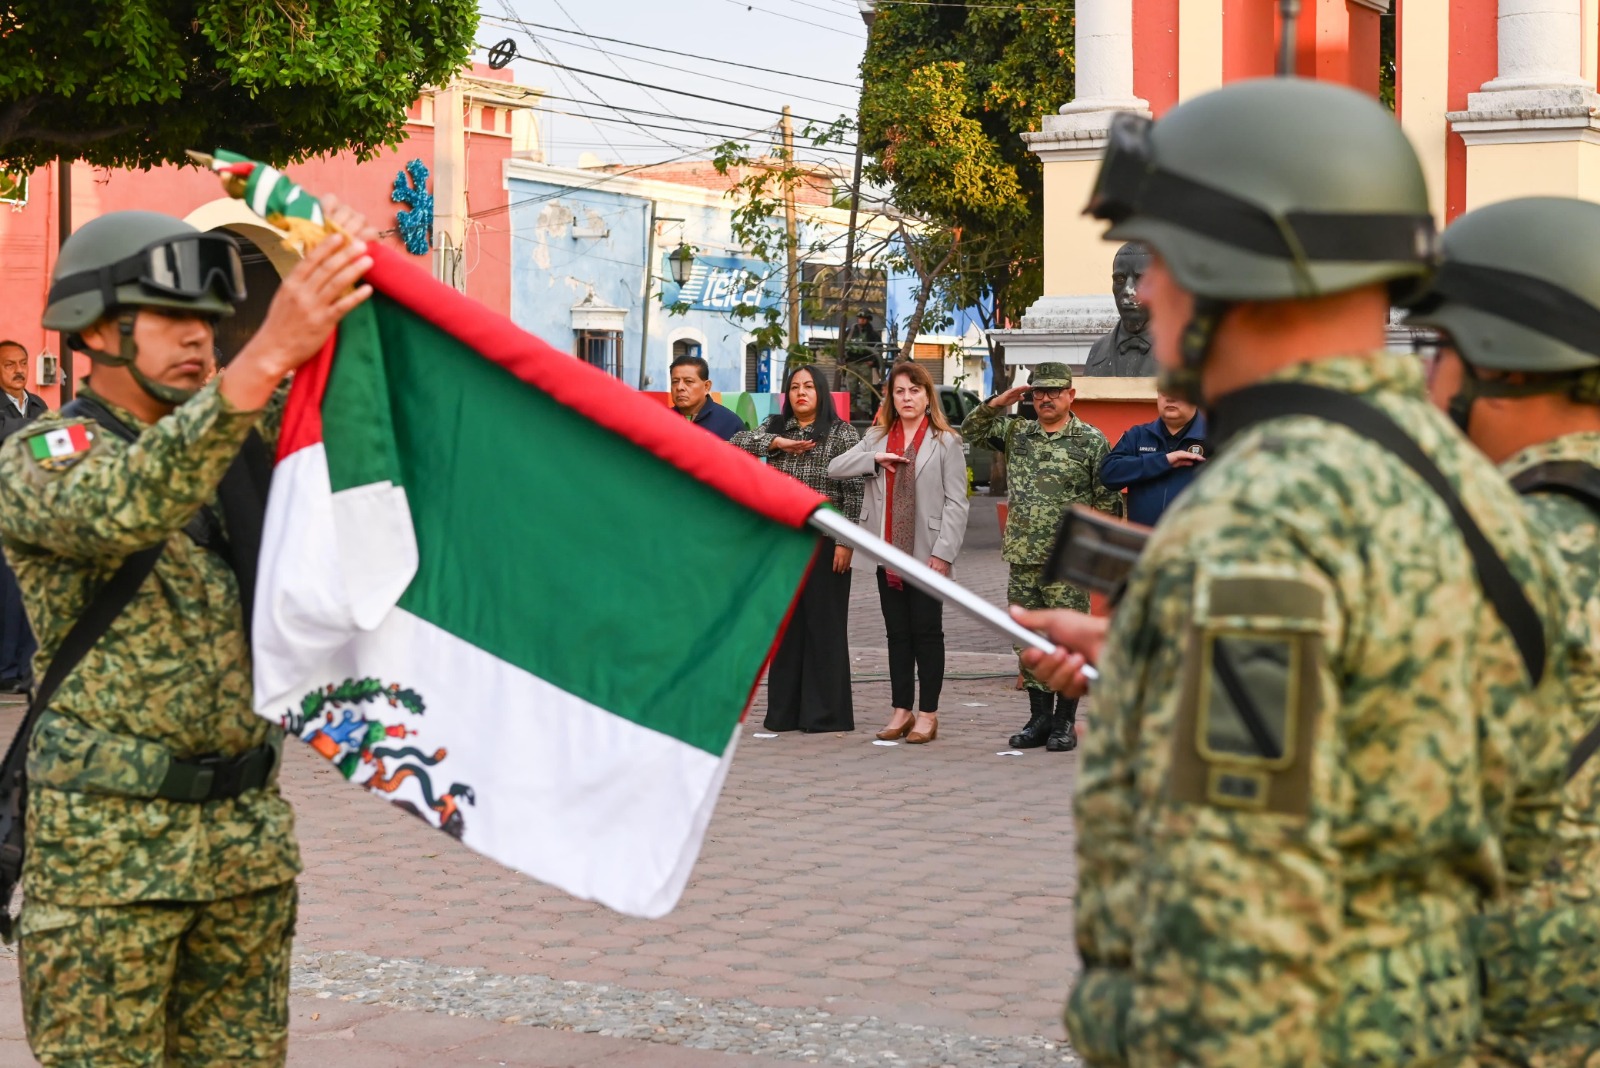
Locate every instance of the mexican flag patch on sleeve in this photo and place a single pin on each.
(61, 447)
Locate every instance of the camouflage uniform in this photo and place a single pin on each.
(145, 918)
(1048, 473)
(1541, 953)
(1317, 909)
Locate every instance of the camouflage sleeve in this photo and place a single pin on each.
(1106, 499)
(1222, 952)
(111, 500)
(270, 425)
(851, 491)
(987, 427)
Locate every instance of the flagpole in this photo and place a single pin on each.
(925, 578)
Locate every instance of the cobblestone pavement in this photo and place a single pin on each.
(855, 903)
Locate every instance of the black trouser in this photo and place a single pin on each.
(16, 637)
(915, 622)
(808, 684)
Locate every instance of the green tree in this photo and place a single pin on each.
(949, 91)
(133, 83)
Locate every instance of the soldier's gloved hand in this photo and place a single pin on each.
(308, 305)
(1079, 639)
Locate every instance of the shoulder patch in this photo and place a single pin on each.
(58, 446)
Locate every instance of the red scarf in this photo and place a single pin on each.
(896, 443)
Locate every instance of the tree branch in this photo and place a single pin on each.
(74, 138)
(12, 117)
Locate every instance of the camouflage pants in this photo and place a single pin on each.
(1024, 588)
(169, 983)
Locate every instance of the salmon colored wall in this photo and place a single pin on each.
(1365, 47)
(1250, 39)
(28, 235)
(1155, 53)
(1474, 59)
(1113, 418)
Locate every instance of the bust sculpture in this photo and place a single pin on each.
(1124, 352)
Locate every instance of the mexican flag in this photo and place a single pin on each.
(505, 591)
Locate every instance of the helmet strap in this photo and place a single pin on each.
(1473, 386)
(128, 355)
(1198, 336)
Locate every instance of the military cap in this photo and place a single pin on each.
(1051, 375)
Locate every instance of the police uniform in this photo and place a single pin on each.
(159, 896)
(1321, 745)
(1048, 472)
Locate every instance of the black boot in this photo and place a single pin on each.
(1038, 728)
(1063, 729)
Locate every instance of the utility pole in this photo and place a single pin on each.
(63, 231)
(649, 276)
(868, 15)
(789, 230)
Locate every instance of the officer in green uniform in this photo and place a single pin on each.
(1324, 740)
(159, 894)
(1517, 300)
(1052, 463)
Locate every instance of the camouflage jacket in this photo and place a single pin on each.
(1308, 898)
(1542, 953)
(1047, 474)
(173, 670)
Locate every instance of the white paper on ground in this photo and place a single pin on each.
(1010, 752)
(881, 742)
(759, 735)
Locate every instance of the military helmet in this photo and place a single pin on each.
(1518, 287)
(1270, 189)
(142, 259)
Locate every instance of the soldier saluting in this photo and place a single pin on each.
(1052, 463)
(159, 878)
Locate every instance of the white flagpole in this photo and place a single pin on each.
(925, 578)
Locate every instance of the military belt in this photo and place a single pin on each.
(217, 778)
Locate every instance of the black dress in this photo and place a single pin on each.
(808, 684)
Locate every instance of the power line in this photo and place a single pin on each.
(654, 126)
(672, 52)
(791, 18)
(650, 114)
(814, 7)
(996, 7)
(698, 124)
(602, 51)
(665, 89)
(713, 77)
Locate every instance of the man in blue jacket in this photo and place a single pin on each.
(691, 397)
(1154, 461)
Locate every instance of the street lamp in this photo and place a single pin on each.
(681, 261)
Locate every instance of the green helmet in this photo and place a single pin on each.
(1518, 286)
(1271, 189)
(142, 259)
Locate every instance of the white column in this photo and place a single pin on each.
(1541, 51)
(1103, 46)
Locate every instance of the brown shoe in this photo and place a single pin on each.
(896, 727)
(927, 729)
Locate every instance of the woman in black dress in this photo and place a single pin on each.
(808, 685)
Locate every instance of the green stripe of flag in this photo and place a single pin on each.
(553, 543)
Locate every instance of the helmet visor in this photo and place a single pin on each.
(189, 266)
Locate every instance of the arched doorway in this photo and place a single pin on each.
(260, 283)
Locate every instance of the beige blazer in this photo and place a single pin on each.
(941, 493)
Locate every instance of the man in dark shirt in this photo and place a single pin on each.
(691, 398)
(1154, 461)
(18, 408)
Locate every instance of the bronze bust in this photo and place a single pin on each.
(1124, 352)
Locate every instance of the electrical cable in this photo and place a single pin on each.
(791, 18)
(665, 89)
(654, 126)
(525, 24)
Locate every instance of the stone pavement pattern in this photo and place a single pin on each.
(854, 904)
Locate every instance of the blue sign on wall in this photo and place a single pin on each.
(723, 283)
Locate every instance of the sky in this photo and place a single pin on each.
(821, 39)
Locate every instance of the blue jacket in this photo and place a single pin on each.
(719, 420)
(1139, 463)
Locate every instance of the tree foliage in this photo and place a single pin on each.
(136, 82)
(949, 91)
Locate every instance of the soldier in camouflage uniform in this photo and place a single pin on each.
(158, 909)
(1517, 299)
(1052, 463)
(1322, 748)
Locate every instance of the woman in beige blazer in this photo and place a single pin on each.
(925, 515)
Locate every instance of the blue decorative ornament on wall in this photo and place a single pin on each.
(416, 225)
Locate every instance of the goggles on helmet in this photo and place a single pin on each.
(186, 267)
(1132, 184)
(1530, 302)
